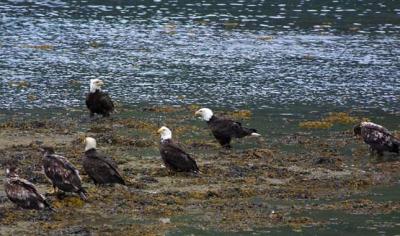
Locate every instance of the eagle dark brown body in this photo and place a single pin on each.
(225, 129)
(100, 168)
(99, 103)
(175, 158)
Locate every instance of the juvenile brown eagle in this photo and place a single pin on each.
(100, 168)
(377, 137)
(62, 174)
(22, 192)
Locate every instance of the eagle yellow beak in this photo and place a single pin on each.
(160, 130)
(83, 138)
(197, 113)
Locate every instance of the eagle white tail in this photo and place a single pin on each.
(255, 134)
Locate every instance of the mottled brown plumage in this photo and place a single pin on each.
(62, 174)
(22, 192)
(377, 137)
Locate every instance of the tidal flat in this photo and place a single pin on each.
(300, 176)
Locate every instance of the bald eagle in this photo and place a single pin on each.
(224, 129)
(22, 192)
(377, 137)
(97, 101)
(62, 174)
(173, 156)
(100, 168)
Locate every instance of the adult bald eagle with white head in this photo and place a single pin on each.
(173, 156)
(224, 129)
(100, 168)
(97, 101)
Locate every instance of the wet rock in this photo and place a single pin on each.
(115, 139)
(148, 179)
(324, 160)
(263, 153)
(328, 121)
(222, 193)
(163, 109)
(165, 220)
(238, 171)
(276, 216)
(203, 145)
(74, 230)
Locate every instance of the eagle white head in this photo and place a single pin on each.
(165, 133)
(95, 84)
(205, 113)
(90, 143)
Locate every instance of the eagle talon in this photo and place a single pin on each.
(52, 191)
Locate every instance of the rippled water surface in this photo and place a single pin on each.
(220, 53)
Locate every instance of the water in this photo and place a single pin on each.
(220, 54)
(290, 60)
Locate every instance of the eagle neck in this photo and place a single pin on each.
(94, 89)
(213, 118)
(167, 140)
(90, 151)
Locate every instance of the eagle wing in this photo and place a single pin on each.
(174, 156)
(106, 102)
(62, 172)
(375, 127)
(231, 128)
(105, 163)
(24, 192)
(377, 136)
(87, 101)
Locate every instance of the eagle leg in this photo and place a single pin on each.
(380, 153)
(372, 151)
(53, 191)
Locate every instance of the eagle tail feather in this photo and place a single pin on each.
(396, 146)
(122, 181)
(48, 206)
(250, 132)
(83, 194)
